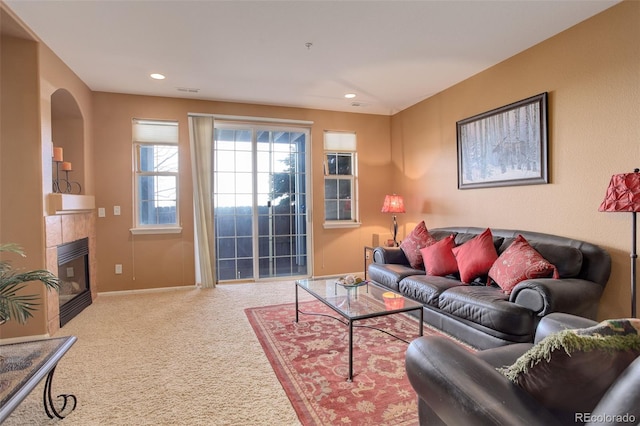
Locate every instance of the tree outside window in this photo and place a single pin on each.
(156, 173)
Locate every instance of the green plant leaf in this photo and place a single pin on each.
(19, 306)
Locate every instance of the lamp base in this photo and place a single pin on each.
(634, 258)
(395, 232)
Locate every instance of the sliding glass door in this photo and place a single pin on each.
(260, 201)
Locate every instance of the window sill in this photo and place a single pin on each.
(156, 230)
(339, 225)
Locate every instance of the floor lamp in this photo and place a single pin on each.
(393, 204)
(623, 195)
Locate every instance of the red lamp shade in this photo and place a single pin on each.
(393, 204)
(623, 194)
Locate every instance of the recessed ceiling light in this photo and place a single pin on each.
(157, 76)
(350, 95)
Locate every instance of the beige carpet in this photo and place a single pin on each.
(174, 357)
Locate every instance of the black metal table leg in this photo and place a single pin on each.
(296, 302)
(47, 398)
(350, 379)
(342, 306)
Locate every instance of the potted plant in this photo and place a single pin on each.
(14, 306)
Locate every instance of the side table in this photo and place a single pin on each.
(368, 258)
(24, 365)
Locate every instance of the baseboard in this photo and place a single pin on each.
(146, 290)
(23, 339)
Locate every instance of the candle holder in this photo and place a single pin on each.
(64, 185)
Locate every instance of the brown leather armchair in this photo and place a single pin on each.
(456, 386)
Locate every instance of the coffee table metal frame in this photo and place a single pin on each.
(355, 304)
(53, 350)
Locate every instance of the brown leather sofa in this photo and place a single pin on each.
(483, 316)
(458, 387)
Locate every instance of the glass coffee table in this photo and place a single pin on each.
(24, 365)
(357, 302)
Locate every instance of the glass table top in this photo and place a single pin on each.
(23, 365)
(356, 302)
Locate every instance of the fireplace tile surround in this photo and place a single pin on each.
(61, 229)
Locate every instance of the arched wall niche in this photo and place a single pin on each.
(67, 132)
(69, 215)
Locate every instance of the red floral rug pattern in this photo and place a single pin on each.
(311, 360)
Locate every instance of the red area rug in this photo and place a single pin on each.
(311, 360)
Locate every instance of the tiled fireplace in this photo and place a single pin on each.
(62, 229)
(75, 284)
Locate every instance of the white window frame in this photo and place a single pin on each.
(342, 142)
(152, 138)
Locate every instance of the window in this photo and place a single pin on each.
(155, 146)
(340, 180)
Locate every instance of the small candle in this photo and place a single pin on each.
(57, 154)
(66, 166)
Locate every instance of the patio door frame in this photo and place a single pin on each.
(260, 124)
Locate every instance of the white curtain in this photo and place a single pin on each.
(201, 137)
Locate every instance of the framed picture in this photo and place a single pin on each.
(505, 146)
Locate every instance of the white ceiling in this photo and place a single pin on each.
(392, 53)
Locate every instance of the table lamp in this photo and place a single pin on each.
(623, 195)
(393, 204)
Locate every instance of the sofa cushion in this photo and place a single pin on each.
(489, 308)
(417, 239)
(390, 274)
(567, 260)
(438, 258)
(426, 289)
(462, 238)
(519, 262)
(572, 369)
(476, 256)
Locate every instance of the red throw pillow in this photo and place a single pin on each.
(417, 239)
(519, 262)
(439, 259)
(476, 256)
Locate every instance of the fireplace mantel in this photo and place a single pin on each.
(70, 203)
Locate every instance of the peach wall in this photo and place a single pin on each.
(31, 73)
(20, 176)
(66, 119)
(167, 260)
(591, 72)
(70, 116)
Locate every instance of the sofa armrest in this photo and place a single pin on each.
(546, 295)
(558, 321)
(622, 400)
(461, 389)
(390, 255)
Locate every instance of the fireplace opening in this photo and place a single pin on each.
(73, 272)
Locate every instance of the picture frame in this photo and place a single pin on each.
(506, 146)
